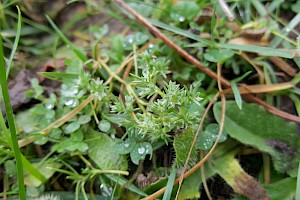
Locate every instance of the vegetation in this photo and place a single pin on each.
(170, 99)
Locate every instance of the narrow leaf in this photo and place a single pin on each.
(170, 184)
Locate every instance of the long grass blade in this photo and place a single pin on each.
(11, 123)
(170, 184)
(16, 42)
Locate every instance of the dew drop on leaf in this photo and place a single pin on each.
(181, 18)
(69, 101)
(141, 150)
(49, 106)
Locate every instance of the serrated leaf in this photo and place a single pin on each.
(182, 144)
(102, 150)
(254, 126)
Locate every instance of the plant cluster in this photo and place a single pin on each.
(124, 121)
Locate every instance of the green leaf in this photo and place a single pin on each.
(74, 65)
(258, 49)
(218, 55)
(296, 7)
(104, 126)
(10, 168)
(184, 10)
(190, 187)
(59, 76)
(145, 9)
(182, 144)
(83, 119)
(47, 169)
(254, 126)
(137, 39)
(283, 189)
(102, 151)
(140, 151)
(72, 127)
(207, 138)
(237, 95)
(170, 184)
(125, 147)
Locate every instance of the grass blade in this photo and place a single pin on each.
(16, 42)
(121, 181)
(178, 31)
(249, 48)
(261, 50)
(170, 184)
(11, 123)
(298, 185)
(259, 7)
(237, 95)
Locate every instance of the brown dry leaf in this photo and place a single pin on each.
(263, 88)
(284, 66)
(248, 41)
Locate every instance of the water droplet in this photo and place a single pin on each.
(69, 101)
(49, 106)
(130, 40)
(141, 150)
(181, 18)
(126, 145)
(151, 46)
(287, 29)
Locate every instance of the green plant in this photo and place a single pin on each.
(127, 109)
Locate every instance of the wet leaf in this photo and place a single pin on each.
(140, 151)
(184, 10)
(125, 147)
(138, 38)
(207, 138)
